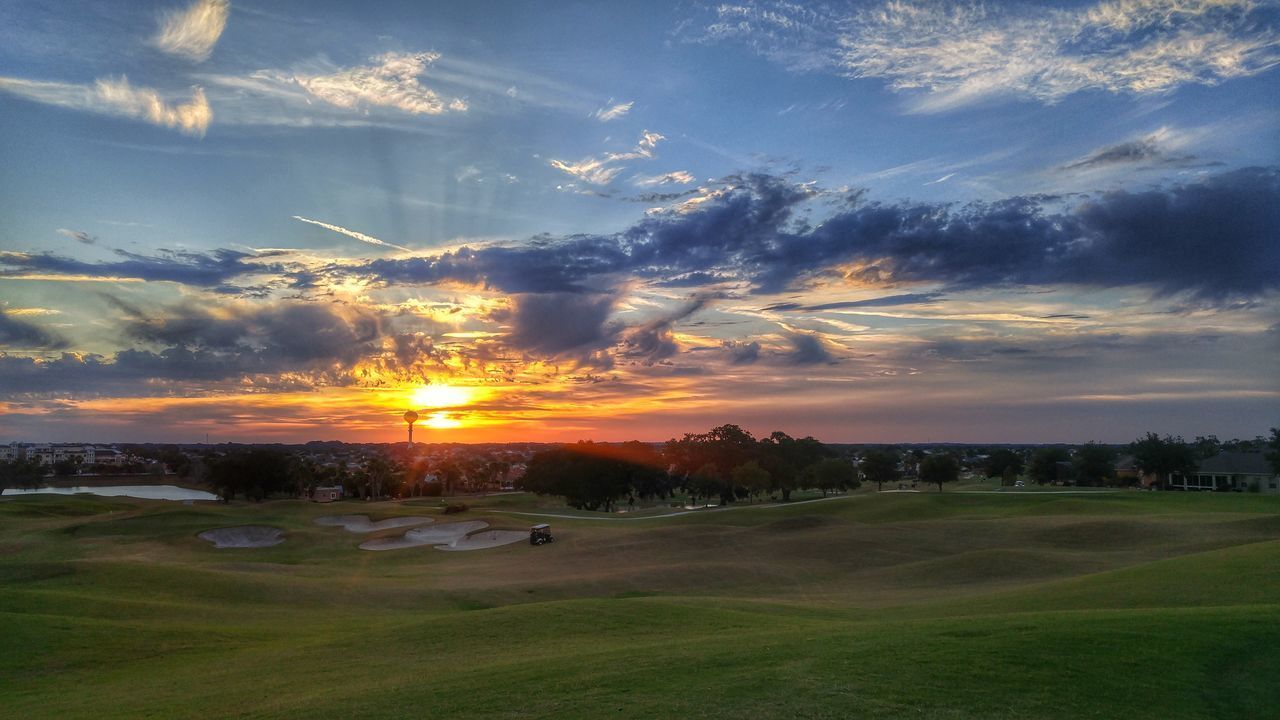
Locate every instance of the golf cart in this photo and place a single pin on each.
(540, 534)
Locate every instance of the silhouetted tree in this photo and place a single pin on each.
(751, 477)
(939, 468)
(21, 473)
(1001, 460)
(880, 466)
(832, 474)
(1162, 457)
(1044, 464)
(1094, 465)
(784, 457)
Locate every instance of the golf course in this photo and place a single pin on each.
(932, 604)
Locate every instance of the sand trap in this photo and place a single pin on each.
(244, 536)
(362, 523)
(480, 541)
(439, 534)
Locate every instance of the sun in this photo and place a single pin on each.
(440, 396)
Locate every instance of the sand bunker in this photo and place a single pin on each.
(362, 523)
(244, 536)
(439, 534)
(483, 540)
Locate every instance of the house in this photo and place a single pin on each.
(327, 493)
(1247, 471)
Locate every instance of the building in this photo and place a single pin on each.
(327, 493)
(12, 452)
(1248, 471)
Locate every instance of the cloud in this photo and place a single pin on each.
(78, 235)
(15, 333)
(603, 169)
(210, 270)
(115, 96)
(887, 301)
(613, 112)
(678, 177)
(192, 33)
(1213, 239)
(808, 349)
(950, 55)
(653, 341)
(563, 326)
(1155, 148)
(742, 353)
(352, 233)
(390, 81)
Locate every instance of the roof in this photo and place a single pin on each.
(1237, 463)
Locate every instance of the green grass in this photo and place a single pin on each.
(1144, 605)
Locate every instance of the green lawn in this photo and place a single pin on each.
(1146, 605)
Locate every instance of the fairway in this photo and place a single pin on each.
(948, 605)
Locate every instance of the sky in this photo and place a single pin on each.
(906, 221)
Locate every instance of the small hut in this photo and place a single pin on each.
(326, 494)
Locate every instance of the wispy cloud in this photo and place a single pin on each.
(351, 233)
(613, 112)
(192, 33)
(1156, 148)
(390, 81)
(942, 179)
(678, 177)
(952, 55)
(115, 96)
(78, 235)
(603, 169)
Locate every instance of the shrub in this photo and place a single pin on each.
(454, 508)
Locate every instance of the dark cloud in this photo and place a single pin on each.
(653, 341)
(563, 326)
(292, 343)
(15, 333)
(1214, 239)
(79, 236)
(887, 301)
(742, 353)
(212, 269)
(808, 349)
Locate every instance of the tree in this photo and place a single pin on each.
(713, 455)
(1274, 456)
(1163, 457)
(880, 466)
(785, 457)
(1094, 465)
(67, 467)
(999, 462)
(751, 477)
(832, 474)
(256, 474)
(940, 468)
(1044, 464)
(21, 473)
(593, 476)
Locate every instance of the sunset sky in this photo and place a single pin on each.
(868, 222)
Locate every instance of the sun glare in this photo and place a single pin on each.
(442, 421)
(440, 396)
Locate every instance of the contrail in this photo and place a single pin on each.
(352, 233)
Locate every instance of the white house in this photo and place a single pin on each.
(1242, 471)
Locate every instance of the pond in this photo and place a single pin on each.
(146, 492)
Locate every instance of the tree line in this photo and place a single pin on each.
(726, 464)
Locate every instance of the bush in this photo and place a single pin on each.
(454, 508)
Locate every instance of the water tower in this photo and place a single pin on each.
(411, 417)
